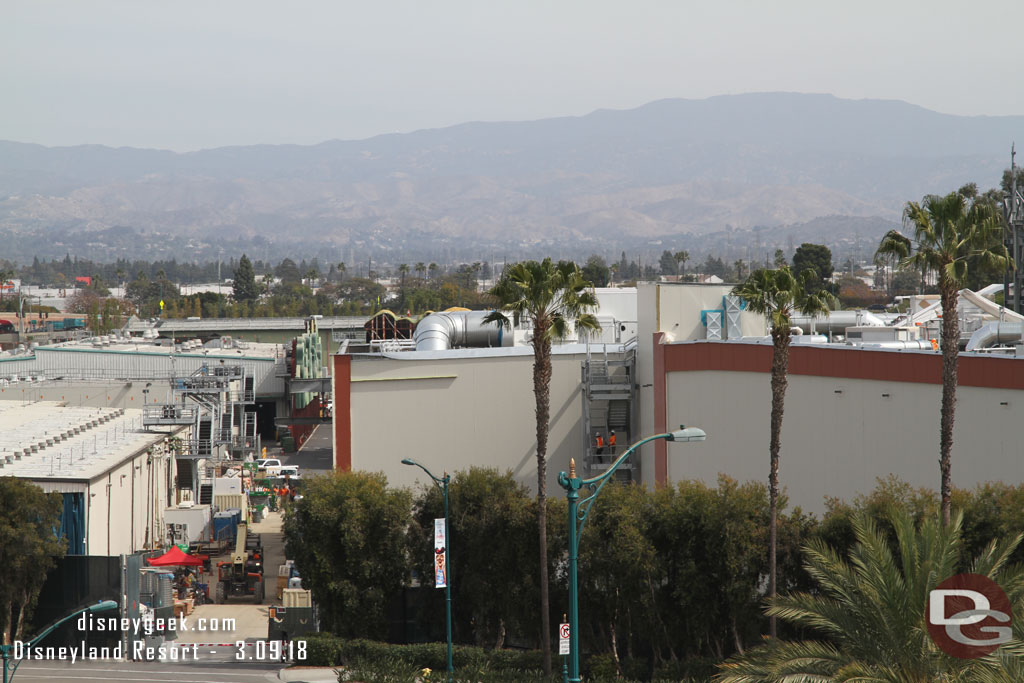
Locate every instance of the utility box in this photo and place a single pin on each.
(227, 486)
(876, 333)
(286, 623)
(297, 597)
(196, 521)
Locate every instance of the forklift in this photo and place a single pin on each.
(243, 575)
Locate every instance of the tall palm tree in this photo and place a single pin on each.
(553, 297)
(433, 270)
(341, 270)
(947, 231)
(403, 269)
(681, 258)
(871, 611)
(778, 294)
(421, 268)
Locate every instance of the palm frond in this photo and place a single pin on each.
(871, 610)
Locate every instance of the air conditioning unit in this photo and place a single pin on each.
(185, 498)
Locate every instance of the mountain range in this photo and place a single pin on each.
(730, 172)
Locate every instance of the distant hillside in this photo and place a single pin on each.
(685, 169)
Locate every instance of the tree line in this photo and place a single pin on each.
(673, 581)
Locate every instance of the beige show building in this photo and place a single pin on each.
(114, 477)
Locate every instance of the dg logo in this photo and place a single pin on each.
(969, 616)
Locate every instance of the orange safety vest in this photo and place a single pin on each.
(611, 440)
(600, 441)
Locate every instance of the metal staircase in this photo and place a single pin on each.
(609, 394)
(213, 401)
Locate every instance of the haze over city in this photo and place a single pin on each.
(193, 75)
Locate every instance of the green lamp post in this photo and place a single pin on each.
(5, 650)
(442, 483)
(578, 511)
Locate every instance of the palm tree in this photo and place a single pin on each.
(421, 268)
(947, 231)
(778, 294)
(341, 271)
(433, 270)
(403, 268)
(554, 298)
(870, 609)
(682, 257)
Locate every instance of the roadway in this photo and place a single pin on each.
(315, 456)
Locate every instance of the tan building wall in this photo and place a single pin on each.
(124, 506)
(468, 408)
(841, 434)
(673, 308)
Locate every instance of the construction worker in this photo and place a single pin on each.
(598, 443)
(611, 442)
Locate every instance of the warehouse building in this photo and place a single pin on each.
(115, 477)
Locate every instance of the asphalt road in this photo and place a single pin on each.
(316, 456)
(216, 667)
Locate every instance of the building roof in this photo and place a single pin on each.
(245, 324)
(105, 438)
(240, 349)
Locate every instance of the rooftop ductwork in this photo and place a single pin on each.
(454, 329)
(994, 333)
(921, 344)
(836, 322)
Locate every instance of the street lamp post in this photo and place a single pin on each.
(5, 650)
(442, 483)
(578, 511)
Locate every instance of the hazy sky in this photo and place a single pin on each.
(183, 74)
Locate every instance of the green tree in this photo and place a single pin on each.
(553, 297)
(596, 271)
(341, 271)
(780, 258)
(28, 550)
(288, 272)
(244, 287)
(433, 267)
(668, 264)
(497, 584)
(714, 265)
(778, 294)
(348, 537)
(816, 258)
(421, 268)
(948, 232)
(870, 611)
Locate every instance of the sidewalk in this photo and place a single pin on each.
(309, 674)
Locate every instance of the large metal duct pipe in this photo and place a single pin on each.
(913, 344)
(836, 322)
(994, 333)
(452, 329)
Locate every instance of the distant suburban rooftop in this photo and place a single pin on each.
(72, 443)
(243, 324)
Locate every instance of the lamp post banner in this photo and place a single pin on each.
(440, 564)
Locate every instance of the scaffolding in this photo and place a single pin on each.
(215, 401)
(609, 397)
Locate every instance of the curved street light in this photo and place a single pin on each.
(442, 483)
(5, 650)
(578, 511)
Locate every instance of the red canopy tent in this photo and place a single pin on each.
(176, 556)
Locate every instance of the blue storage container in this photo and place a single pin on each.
(224, 527)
